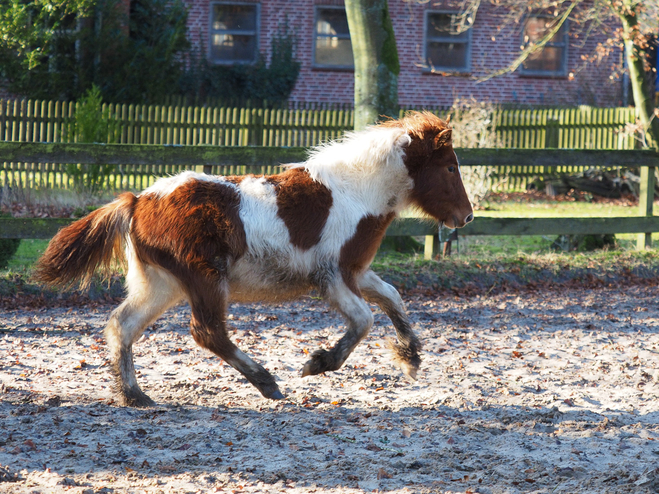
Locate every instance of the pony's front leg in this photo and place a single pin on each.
(406, 351)
(359, 319)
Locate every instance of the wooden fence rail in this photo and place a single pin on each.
(255, 159)
(300, 126)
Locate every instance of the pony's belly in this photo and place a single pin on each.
(251, 281)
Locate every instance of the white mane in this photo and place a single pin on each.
(358, 157)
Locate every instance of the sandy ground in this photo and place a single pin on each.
(546, 392)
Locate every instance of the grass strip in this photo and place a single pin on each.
(461, 275)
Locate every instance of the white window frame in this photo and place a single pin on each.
(562, 72)
(317, 9)
(446, 40)
(255, 33)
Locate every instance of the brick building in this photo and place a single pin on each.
(438, 64)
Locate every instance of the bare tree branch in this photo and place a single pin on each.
(533, 47)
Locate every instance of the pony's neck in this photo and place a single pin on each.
(367, 168)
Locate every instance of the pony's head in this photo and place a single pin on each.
(433, 166)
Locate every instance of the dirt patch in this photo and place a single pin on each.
(548, 392)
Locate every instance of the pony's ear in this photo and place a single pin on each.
(448, 120)
(403, 140)
(444, 137)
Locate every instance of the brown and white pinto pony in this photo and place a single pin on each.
(209, 240)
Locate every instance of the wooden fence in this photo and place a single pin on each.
(206, 158)
(301, 126)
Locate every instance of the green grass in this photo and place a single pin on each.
(28, 253)
(548, 209)
(477, 264)
(495, 272)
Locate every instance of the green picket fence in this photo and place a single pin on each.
(298, 126)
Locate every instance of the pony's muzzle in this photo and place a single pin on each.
(456, 223)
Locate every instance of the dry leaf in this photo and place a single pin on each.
(382, 474)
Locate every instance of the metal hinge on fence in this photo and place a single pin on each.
(440, 242)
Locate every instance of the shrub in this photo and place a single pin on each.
(473, 127)
(256, 83)
(90, 124)
(8, 247)
(58, 49)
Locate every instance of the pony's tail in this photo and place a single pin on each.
(95, 240)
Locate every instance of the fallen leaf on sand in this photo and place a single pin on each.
(382, 474)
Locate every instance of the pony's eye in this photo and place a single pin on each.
(451, 169)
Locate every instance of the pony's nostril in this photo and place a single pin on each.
(469, 218)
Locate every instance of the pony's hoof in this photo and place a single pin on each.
(277, 395)
(407, 359)
(409, 370)
(272, 392)
(136, 400)
(321, 361)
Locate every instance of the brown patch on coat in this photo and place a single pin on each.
(196, 227)
(433, 166)
(93, 241)
(303, 204)
(358, 252)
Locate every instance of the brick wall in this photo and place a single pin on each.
(491, 49)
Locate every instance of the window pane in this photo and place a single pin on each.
(536, 27)
(234, 17)
(439, 25)
(332, 21)
(333, 51)
(549, 59)
(448, 55)
(233, 48)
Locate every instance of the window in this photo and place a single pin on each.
(446, 48)
(332, 44)
(234, 33)
(551, 60)
(65, 45)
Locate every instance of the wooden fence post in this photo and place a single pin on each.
(207, 169)
(645, 200)
(431, 247)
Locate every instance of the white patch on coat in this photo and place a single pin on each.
(166, 185)
(366, 166)
(265, 230)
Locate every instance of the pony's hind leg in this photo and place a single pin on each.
(151, 291)
(359, 319)
(208, 301)
(406, 350)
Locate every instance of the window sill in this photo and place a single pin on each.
(543, 75)
(226, 63)
(447, 72)
(330, 68)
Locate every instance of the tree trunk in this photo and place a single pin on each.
(376, 60)
(643, 99)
